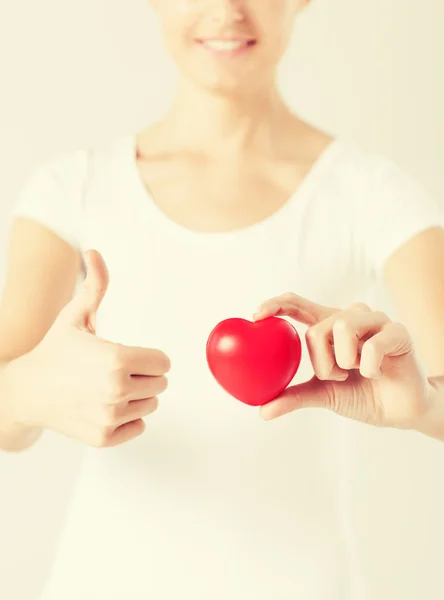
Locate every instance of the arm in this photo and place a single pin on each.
(414, 276)
(40, 281)
(13, 437)
(433, 423)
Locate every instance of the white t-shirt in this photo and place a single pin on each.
(212, 502)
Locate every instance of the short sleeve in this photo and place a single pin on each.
(395, 207)
(52, 196)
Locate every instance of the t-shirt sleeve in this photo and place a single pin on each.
(396, 206)
(52, 196)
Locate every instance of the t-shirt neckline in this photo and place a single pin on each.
(167, 225)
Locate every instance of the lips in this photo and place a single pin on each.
(227, 46)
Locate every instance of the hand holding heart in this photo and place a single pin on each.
(364, 364)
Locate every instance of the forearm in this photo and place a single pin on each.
(14, 436)
(432, 423)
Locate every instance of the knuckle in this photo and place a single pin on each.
(118, 383)
(117, 358)
(312, 334)
(341, 325)
(360, 306)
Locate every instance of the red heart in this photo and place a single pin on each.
(254, 361)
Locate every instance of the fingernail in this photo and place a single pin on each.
(267, 311)
(266, 417)
(342, 377)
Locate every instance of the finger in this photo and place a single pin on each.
(393, 340)
(348, 329)
(114, 415)
(126, 433)
(310, 394)
(319, 343)
(108, 436)
(142, 361)
(360, 306)
(140, 386)
(137, 409)
(297, 307)
(96, 282)
(81, 311)
(268, 309)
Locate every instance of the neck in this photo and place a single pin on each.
(211, 124)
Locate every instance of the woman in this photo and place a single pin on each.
(229, 200)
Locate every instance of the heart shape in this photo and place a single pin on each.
(254, 361)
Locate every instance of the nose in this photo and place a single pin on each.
(227, 11)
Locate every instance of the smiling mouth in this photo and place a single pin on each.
(227, 47)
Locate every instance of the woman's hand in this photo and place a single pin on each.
(79, 385)
(364, 364)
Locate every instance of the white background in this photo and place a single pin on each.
(75, 73)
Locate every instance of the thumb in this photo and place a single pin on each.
(81, 311)
(310, 394)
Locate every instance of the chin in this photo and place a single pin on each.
(227, 87)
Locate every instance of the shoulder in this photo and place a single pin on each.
(367, 179)
(365, 165)
(347, 159)
(56, 189)
(377, 173)
(391, 206)
(76, 168)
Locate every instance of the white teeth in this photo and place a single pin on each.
(224, 44)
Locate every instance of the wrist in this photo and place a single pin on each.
(14, 420)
